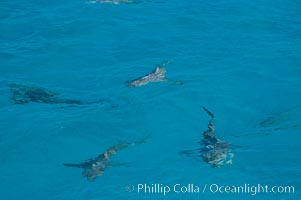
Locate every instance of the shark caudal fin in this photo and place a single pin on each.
(208, 112)
(165, 63)
(161, 68)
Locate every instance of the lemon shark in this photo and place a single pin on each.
(213, 150)
(95, 167)
(23, 94)
(157, 75)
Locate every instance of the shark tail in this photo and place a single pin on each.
(208, 112)
(165, 63)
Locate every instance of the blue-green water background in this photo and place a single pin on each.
(241, 59)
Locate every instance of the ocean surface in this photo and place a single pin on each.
(240, 59)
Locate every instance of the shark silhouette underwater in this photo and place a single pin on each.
(96, 167)
(157, 75)
(281, 120)
(213, 150)
(22, 94)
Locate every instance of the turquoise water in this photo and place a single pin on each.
(240, 59)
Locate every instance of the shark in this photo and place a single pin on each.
(23, 94)
(157, 75)
(95, 167)
(213, 151)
